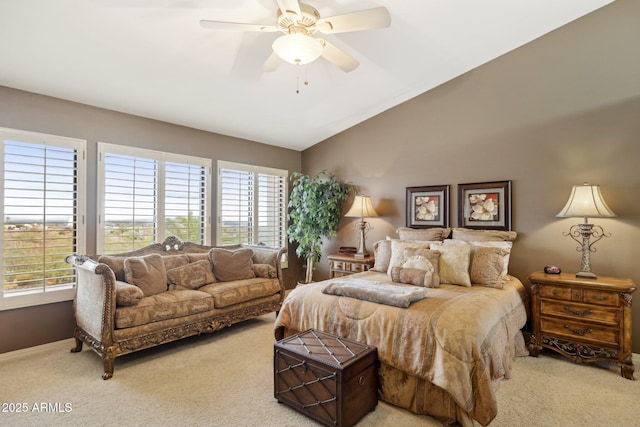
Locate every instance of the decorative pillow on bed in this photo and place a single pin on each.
(486, 267)
(469, 235)
(382, 253)
(506, 246)
(434, 259)
(191, 276)
(412, 276)
(127, 294)
(231, 265)
(146, 272)
(454, 263)
(397, 251)
(431, 234)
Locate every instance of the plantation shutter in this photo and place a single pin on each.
(251, 205)
(130, 200)
(185, 201)
(42, 213)
(271, 210)
(146, 196)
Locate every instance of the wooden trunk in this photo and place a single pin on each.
(330, 379)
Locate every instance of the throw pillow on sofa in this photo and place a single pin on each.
(229, 265)
(191, 276)
(146, 272)
(265, 271)
(127, 294)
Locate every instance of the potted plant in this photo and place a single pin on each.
(315, 207)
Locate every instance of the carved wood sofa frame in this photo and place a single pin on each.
(96, 286)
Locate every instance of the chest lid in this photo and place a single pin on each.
(326, 348)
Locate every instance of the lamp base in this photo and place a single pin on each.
(361, 254)
(586, 275)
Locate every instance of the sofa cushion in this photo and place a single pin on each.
(229, 293)
(193, 257)
(127, 294)
(438, 233)
(146, 272)
(116, 264)
(265, 271)
(166, 305)
(174, 261)
(191, 276)
(229, 265)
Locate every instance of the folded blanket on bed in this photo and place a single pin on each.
(378, 292)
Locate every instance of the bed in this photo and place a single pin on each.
(443, 355)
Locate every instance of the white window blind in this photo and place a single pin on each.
(43, 216)
(146, 196)
(130, 202)
(252, 205)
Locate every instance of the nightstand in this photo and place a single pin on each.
(342, 265)
(585, 320)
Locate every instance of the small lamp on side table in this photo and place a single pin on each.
(362, 208)
(586, 201)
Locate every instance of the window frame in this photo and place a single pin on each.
(282, 173)
(32, 297)
(161, 159)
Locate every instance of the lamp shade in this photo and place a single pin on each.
(586, 201)
(297, 48)
(361, 207)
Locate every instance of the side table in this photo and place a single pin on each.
(342, 265)
(585, 320)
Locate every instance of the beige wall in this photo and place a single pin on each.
(562, 110)
(20, 328)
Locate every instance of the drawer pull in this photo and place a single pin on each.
(554, 293)
(600, 298)
(577, 332)
(577, 313)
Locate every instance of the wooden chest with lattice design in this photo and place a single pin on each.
(330, 379)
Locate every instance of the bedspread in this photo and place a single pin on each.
(458, 338)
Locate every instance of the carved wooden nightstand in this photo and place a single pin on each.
(342, 265)
(586, 320)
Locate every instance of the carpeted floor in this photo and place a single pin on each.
(226, 379)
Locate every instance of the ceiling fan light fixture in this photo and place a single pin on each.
(297, 48)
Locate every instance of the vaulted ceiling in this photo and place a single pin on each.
(152, 58)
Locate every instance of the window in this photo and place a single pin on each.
(252, 205)
(43, 211)
(145, 196)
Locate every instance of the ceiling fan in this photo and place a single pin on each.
(299, 22)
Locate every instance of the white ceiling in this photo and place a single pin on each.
(151, 58)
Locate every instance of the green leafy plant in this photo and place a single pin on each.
(314, 213)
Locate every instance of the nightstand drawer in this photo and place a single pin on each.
(357, 268)
(580, 311)
(580, 331)
(339, 265)
(604, 298)
(556, 292)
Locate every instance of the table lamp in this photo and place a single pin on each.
(586, 201)
(362, 208)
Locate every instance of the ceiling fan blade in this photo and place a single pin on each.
(291, 6)
(338, 57)
(237, 26)
(369, 19)
(272, 62)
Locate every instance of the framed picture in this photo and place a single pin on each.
(428, 206)
(485, 205)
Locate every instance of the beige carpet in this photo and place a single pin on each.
(226, 379)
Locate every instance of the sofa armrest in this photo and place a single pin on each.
(95, 298)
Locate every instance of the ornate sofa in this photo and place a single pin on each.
(163, 292)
